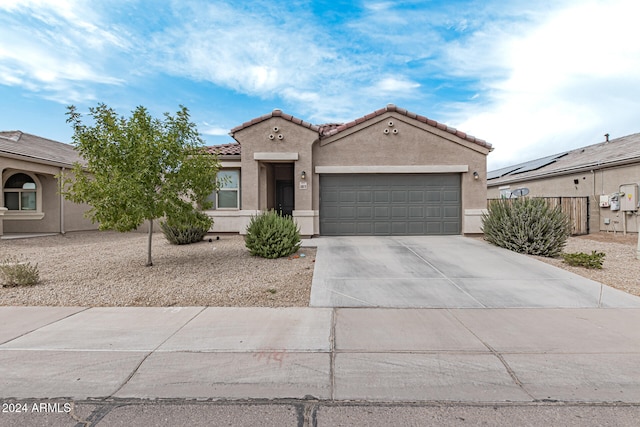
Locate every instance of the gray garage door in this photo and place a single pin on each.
(389, 204)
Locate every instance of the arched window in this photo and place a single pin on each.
(20, 193)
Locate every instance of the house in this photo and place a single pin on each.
(391, 172)
(30, 201)
(607, 174)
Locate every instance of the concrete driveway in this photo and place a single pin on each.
(446, 272)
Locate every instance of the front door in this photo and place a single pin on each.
(284, 197)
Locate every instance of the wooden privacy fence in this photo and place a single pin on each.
(576, 208)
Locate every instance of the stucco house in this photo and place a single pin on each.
(607, 173)
(30, 201)
(391, 172)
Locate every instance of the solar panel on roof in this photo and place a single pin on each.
(539, 163)
(499, 173)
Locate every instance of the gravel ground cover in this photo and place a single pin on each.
(107, 269)
(620, 269)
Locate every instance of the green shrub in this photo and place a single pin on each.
(270, 235)
(187, 230)
(16, 273)
(585, 260)
(527, 226)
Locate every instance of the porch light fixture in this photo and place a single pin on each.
(475, 175)
(303, 175)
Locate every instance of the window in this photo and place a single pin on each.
(20, 193)
(505, 192)
(227, 196)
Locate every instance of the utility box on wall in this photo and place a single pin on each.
(629, 197)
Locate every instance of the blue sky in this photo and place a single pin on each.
(531, 77)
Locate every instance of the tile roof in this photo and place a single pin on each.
(392, 108)
(331, 129)
(38, 149)
(275, 113)
(224, 149)
(621, 150)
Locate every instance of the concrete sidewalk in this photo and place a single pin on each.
(372, 354)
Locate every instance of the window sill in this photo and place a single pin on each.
(16, 215)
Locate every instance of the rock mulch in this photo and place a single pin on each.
(107, 269)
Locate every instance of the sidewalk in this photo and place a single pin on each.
(370, 354)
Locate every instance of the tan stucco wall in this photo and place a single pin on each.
(414, 144)
(49, 203)
(255, 139)
(590, 184)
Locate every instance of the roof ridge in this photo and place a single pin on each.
(423, 119)
(275, 113)
(331, 129)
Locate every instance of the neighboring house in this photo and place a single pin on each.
(30, 201)
(391, 172)
(596, 171)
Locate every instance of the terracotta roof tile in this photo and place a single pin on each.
(331, 129)
(274, 113)
(224, 149)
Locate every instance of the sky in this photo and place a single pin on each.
(531, 77)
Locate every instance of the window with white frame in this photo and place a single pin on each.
(228, 195)
(20, 193)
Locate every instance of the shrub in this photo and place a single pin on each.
(527, 226)
(187, 230)
(271, 235)
(16, 273)
(584, 260)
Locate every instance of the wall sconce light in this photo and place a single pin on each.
(475, 175)
(303, 175)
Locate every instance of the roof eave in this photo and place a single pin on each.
(566, 171)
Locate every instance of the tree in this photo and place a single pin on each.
(139, 169)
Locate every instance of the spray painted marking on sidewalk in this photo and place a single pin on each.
(271, 356)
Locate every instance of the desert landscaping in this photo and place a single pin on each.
(107, 269)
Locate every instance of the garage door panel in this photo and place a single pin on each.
(364, 196)
(450, 196)
(382, 212)
(433, 196)
(365, 212)
(399, 196)
(347, 196)
(416, 212)
(390, 204)
(416, 196)
(381, 228)
(450, 212)
(381, 196)
(399, 213)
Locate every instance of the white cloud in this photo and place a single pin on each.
(213, 130)
(566, 82)
(394, 86)
(54, 48)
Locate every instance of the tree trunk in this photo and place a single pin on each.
(149, 262)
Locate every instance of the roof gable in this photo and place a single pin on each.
(274, 113)
(333, 129)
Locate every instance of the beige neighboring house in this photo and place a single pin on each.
(608, 173)
(391, 172)
(30, 202)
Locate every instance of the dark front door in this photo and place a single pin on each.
(284, 197)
